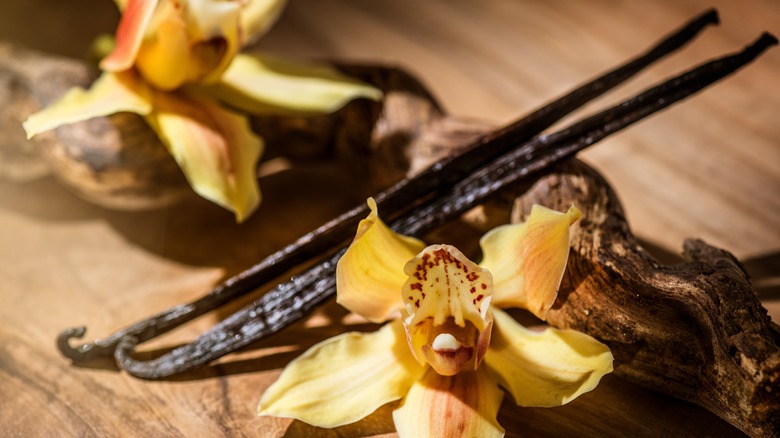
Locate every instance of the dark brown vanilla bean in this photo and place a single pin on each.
(293, 299)
(396, 199)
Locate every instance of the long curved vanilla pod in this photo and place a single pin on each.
(291, 300)
(395, 199)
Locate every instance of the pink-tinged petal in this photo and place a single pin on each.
(110, 93)
(527, 260)
(129, 34)
(463, 405)
(215, 148)
(370, 275)
(545, 368)
(344, 379)
(268, 85)
(257, 16)
(446, 296)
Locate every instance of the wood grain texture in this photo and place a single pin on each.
(709, 168)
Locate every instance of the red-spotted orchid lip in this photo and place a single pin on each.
(449, 354)
(447, 298)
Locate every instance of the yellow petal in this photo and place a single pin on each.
(463, 405)
(214, 29)
(446, 294)
(110, 93)
(547, 368)
(527, 260)
(263, 85)
(214, 147)
(257, 16)
(164, 58)
(344, 379)
(370, 275)
(136, 15)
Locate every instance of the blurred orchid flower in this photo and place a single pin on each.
(453, 348)
(177, 64)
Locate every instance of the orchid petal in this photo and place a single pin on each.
(214, 30)
(214, 147)
(344, 379)
(463, 405)
(263, 85)
(370, 275)
(547, 368)
(136, 16)
(164, 59)
(257, 16)
(446, 294)
(527, 260)
(110, 93)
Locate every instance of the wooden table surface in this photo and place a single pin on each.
(708, 168)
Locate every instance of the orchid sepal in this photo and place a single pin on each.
(265, 85)
(528, 259)
(545, 368)
(357, 372)
(215, 148)
(110, 93)
(257, 16)
(370, 274)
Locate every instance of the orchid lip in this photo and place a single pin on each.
(450, 348)
(450, 361)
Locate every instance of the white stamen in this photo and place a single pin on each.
(445, 341)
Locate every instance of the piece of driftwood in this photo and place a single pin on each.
(695, 330)
(115, 161)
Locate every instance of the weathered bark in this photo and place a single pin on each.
(114, 161)
(695, 331)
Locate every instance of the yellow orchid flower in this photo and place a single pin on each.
(177, 64)
(453, 350)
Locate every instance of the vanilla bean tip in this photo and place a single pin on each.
(767, 39)
(63, 342)
(710, 16)
(124, 349)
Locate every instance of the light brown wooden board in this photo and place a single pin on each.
(709, 168)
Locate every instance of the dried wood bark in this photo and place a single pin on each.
(695, 330)
(115, 161)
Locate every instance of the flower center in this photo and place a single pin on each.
(450, 348)
(445, 342)
(447, 298)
